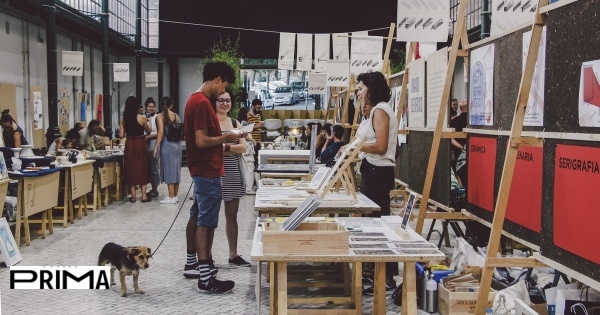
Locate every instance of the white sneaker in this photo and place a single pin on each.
(176, 199)
(168, 200)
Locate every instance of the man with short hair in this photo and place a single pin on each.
(458, 123)
(331, 148)
(453, 108)
(254, 117)
(86, 135)
(205, 145)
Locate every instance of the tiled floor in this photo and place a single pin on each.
(167, 291)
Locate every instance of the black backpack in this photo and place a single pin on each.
(174, 131)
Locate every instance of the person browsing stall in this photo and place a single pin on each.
(330, 149)
(11, 133)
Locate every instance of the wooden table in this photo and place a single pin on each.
(77, 179)
(278, 201)
(266, 156)
(278, 265)
(38, 192)
(283, 168)
(106, 173)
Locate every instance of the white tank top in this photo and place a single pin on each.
(367, 130)
(153, 124)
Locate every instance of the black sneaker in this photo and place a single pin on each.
(193, 271)
(215, 286)
(370, 290)
(239, 261)
(152, 194)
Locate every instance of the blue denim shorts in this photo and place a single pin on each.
(207, 201)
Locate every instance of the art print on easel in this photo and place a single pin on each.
(534, 112)
(481, 108)
(589, 94)
(416, 94)
(8, 247)
(408, 210)
(437, 67)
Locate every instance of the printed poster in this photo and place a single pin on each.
(121, 72)
(416, 94)
(304, 55)
(525, 198)
(72, 63)
(38, 115)
(151, 79)
(575, 213)
(340, 46)
(317, 83)
(437, 68)
(338, 73)
(509, 14)
(423, 20)
(322, 46)
(287, 44)
(481, 108)
(534, 113)
(589, 94)
(481, 169)
(366, 53)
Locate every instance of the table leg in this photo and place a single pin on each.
(281, 280)
(44, 224)
(20, 211)
(85, 204)
(27, 235)
(50, 221)
(347, 281)
(356, 295)
(379, 289)
(71, 208)
(80, 207)
(67, 188)
(106, 196)
(273, 288)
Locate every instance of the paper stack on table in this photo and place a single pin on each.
(245, 129)
(304, 210)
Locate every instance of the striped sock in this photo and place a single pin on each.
(191, 257)
(205, 273)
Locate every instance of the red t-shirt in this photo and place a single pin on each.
(199, 114)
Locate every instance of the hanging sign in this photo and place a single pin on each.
(151, 79)
(317, 83)
(437, 68)
(366, 53)
(287, 44)
(321, 51)
(304, 55)
(72, 63)
(507, 15)
(534, 112)
(427, 21)
(338, 73)
(416, 94)
(589, 94)
(481, 108)
(340, 46)
(121, 72)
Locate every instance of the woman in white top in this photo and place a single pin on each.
(153, 169)
(378, 152)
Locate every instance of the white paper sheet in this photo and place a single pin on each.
(366, 53)
(481, 87)
(423, 20)
(151, 79)
(121, 72)
(304, 55)
(338, 73)
(72, 63)
(317, 83)
(322, 46)
(287, 44)
(416, 94)
(340, 46)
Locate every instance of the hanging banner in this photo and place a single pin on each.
(507, 15)
(534, 112)
(287, 44)
(481, 109)
(589, 94)
(321, 51)
(38, 111)
(525, 198)
(151, 79)
(427, 21)
(340, 46)
(338, 73)
(121, 72)
(304, 55)
(416, 94)
(366, 53)
(437, 68)
(317, 83)
(72, 63)
(481, 170)
(575, 213)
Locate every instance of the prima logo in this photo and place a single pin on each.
(59, 277)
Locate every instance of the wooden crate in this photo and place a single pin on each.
(459, 303)
(310, 238)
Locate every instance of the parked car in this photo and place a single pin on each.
(285, 95)
(264, 96)
(300, 88)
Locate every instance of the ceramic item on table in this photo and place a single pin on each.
(286, 145)
(62, 159)
(27, 151)
(80, 158)
(16, 152)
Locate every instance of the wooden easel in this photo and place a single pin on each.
(515, 141)
(459, 39)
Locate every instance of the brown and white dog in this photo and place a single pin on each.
(128, 260)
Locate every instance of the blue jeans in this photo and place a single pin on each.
(207, 201)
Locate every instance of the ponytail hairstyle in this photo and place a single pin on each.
(165, 103)
(6, 117)
(148, 101)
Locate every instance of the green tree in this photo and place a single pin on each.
(397, 60)
(228, 51)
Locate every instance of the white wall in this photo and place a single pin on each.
(190, 79)
(459, 87)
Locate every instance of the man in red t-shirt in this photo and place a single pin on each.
(205, 145)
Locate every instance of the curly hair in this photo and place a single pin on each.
(378, 89)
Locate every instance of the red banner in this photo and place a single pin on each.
(481, 167)
(576, 192)
(525, 198)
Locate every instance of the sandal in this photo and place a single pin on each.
(146, 200)
(132, 199)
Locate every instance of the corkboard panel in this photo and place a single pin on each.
(8, 99)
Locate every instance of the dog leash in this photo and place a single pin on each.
(175, 219)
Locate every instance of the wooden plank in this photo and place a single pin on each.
(388, 48)
(379, 307)
(511, 236)
(454, 134)
(528, 262)
(411, 289)
(526, 142)
(568, 271)
(357, 285)
(321, 312)
(404, 90)
(273, 296)
(459, 29)
(510, 159)
(446, 216)
(320, 300)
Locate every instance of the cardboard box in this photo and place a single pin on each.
(310, 238)
(459, 303)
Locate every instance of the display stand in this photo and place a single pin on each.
(459, 40)
(515, 141)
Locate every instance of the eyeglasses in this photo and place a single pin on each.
(222, 100)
